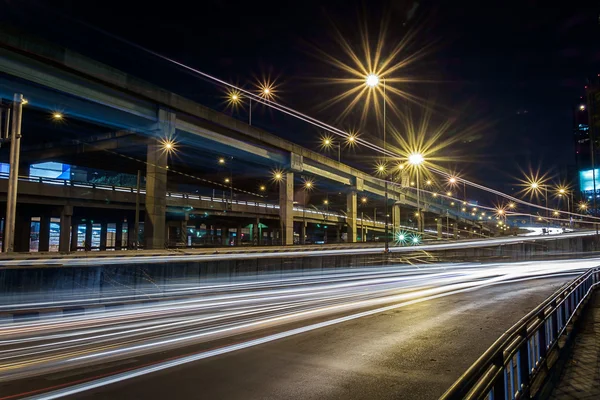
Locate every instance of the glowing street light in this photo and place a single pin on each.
(221, 160)
(263, 188)
(372, 80)
(227, 180)
(168, 146)
(363, 200)
(416, 159)
(582, 107)
(57, 116)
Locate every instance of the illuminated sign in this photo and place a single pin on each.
(586, 180)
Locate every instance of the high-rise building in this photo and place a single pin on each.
(586, 126)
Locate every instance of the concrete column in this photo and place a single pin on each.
(351, 216)
(103, 235)
(22, 233)
(66, 215)
(183, 229)
(74, 233)
(44, 239)
(256, 234)
(303, 232)
(119, 235)
(131, 234)
(156, 200)
(225, 236)
(286, 208)
(440, 228)
(396, 217)
(88, 235)
(238, 235)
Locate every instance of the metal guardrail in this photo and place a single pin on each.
(515, 366)
(180, 195)
(191, 196)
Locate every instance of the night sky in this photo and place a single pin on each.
(516, 68)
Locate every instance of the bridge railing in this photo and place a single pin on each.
(515, 366)
(193, 196)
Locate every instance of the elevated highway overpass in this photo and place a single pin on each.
(143, 115)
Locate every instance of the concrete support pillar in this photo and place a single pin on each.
(156, 200)
(74, 234)
(44, 240)
(22, 233)
(351, 210)
(396, 217)
(64, 244)
(119, 235)
(238, 235)
(132, 235)
(286, 208)
(88, 235)
(256, 234)
(440, 228)
(103, 235)
(225, 236)
(303, 232)
(183, 231)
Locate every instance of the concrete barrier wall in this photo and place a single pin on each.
(23, 284)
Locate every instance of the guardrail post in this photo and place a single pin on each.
(555, 326)
(499, 387)
(524, 369)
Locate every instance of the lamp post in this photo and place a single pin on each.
(416, 159)
(537, 187)
(563, 192)
(372, 81)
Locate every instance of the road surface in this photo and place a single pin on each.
(404, 332)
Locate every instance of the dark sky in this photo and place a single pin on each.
(514, 67)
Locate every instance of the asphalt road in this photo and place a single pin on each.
(394, 332)
(415, 352)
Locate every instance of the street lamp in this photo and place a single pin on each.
(416, 160)
(372, 81)
(328, 142)
(453, 180)
(536, 187)
(562, 191)
(228, 180)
